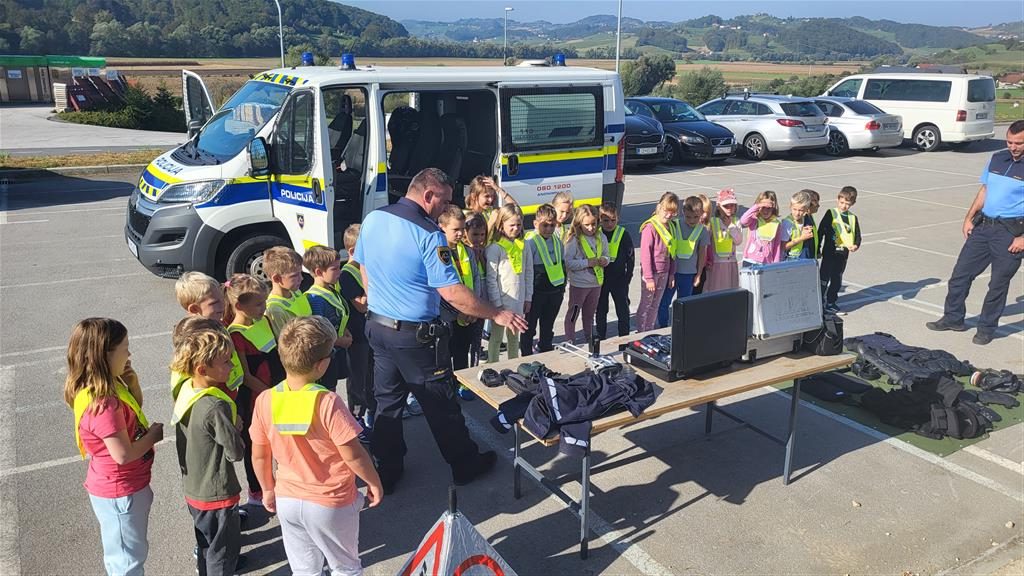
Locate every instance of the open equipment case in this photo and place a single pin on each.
(785, 302)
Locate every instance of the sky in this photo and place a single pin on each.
(965, 13)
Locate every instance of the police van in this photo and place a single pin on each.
(298, 154)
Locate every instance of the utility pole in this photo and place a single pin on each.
(280, 30)
(618, 37)
(504, 49)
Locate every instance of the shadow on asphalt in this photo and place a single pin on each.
(36, 191)
(897, 288)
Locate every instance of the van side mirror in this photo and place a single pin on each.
(194, 127)
(259, 159)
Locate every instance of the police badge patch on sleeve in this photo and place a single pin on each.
(444, 254)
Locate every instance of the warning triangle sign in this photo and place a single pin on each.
(454, 547)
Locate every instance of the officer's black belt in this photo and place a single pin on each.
(400, 325)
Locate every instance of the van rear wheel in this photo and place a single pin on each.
(247, 257)
(926, 138)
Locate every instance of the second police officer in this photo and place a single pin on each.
(407, 269)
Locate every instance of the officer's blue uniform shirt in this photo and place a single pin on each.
(406, 261)
(1004, 186)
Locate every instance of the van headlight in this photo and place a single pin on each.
(191, 192)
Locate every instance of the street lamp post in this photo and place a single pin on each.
(618, 36)
(504, 49)
(280, 30)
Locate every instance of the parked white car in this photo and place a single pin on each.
(764, 123)
(858, 125)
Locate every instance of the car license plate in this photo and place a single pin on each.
(132, 248)
(981, 116)
(653, 150)
(890, 126)
(723, 149)
(815, 128)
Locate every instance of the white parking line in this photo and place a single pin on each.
(64, 347)
(70, 280)
(120, 207)
(58, 462)
(8, 222)
(904, 167)
(932, 225)
(925, 250)
(1017, 467)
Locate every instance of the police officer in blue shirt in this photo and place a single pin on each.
(407, 270)
(994, 233)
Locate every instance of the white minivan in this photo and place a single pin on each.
(936, 108)
(298, 154)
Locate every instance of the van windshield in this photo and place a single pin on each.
(236, 123)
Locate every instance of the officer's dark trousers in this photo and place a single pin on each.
(403, 365)
(618, 289)
(219, 537)
(831, 273)
(989, 243)
(543, 311)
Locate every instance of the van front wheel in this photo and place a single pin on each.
(247, 257)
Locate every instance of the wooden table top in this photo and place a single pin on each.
(672, 396)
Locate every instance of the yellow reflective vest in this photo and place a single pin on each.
(722, 239)
(613, 243)
(83, 399)
(845, 233)
(291, 411)
(592, 253)
(514, 249)
(552, 262)
(259, 334)
(189, 395)
(297, 305)
(337, 302)
(685, 247)
(667, 236)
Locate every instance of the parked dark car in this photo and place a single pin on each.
(688, 135)
(645, 139)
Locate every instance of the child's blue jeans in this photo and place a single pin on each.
(124, 523)
(684, 288)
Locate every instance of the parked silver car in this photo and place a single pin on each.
(858, 125)
(764, 123)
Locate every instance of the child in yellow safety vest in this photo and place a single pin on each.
(764, 239)
(812, 250)
(691, 242)
(476, 241)
(795, 233)
(483, 196)
(548, 281)
(509, 275)
(453, 223)
(325, 300)
(708, 210)
(840, 237)
(256, 344)
(209, 443)
(726, 235)
(112, 430)
(586, 256)
(619, 273)
(313, 438)
(284, 268)
(657, 260)
(563, 204)
(359, 387)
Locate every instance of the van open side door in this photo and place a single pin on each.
(196, 101)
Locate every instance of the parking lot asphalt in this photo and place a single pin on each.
(666, 499)
(31, 130)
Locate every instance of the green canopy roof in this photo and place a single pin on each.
(12, 61)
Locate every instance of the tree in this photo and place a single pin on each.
(645, 73)
(110, 39)
(32, 40)
(714, 41)
(701, 85)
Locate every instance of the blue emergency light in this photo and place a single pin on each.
(559, 59)
(348, 61)
(307, 58)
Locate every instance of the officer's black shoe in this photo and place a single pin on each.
(982, 338)
(241, 563)
(941, 325)
(484, 463)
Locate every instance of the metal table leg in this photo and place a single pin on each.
(516, 469)
(709, 410)
(584, 505)
(791, 436)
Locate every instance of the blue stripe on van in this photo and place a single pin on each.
(238, 193)
(382, 182)
(614, 128)
(554, 168)
(611, 162)
(153, 181)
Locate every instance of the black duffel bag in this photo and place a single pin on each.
(827, 340)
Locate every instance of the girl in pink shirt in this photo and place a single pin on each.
(657, 259)
(764, 241)
(104, 393)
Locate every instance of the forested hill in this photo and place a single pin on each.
(188, 28)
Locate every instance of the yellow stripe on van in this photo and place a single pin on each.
(532, 209)
(555, 156)
(162, 175)
(382, 167)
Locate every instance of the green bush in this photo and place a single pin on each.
(1007, 95)
(139, 111)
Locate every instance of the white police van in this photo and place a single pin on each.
(298, 154)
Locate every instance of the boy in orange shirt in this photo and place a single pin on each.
(314, 439)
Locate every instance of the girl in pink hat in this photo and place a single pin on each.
(726, 235)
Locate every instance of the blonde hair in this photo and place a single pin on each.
(498, 219)
(280, 260)
(451, 213)
(668, 200)
(562, 197)
(200, 348)
(305, 341)
(707, 207)
(190, 324)
(545, 212)
(577, 220)
(194, 287)
(477, 188)
(801, 199)
(351, 236)
(243, 287)
(319, 256)
(91, 342)
(769, 195)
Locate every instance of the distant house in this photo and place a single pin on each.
(1011, 80)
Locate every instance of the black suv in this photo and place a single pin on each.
(688, 135)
